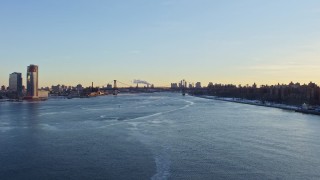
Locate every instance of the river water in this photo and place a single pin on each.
(155, 136)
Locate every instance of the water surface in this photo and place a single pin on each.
(155, 136)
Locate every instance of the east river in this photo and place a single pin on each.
(155, 136)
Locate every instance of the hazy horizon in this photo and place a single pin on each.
(161, 41)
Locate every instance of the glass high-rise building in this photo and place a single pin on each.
(32, 81)
(15, 83)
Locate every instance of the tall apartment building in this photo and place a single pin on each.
(32, 81)
(15, 83)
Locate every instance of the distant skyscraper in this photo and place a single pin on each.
(32, 81)
(174, 85)
(198, 85)
(15, 83)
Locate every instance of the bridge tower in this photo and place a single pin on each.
(115, 88)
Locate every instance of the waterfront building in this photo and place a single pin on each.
(43, 94)
(79, 87)
(3, 88)
(198, 85)
(15, 83)
(32, 81)
(109, 86)
(174, 85)
(56, 89)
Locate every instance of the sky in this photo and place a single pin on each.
(161, 41)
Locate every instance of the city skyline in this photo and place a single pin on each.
(161, 41)
(143, 83)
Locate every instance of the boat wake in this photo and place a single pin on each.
(163, 166)
(190, 103)
(161, 155)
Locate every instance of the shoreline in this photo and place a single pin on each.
(258, 103)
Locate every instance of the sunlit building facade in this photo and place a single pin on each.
(32, 81)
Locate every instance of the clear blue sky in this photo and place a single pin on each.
(161, 41)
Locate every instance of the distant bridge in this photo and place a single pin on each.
(117, 86)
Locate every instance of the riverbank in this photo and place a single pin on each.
(266, 104)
